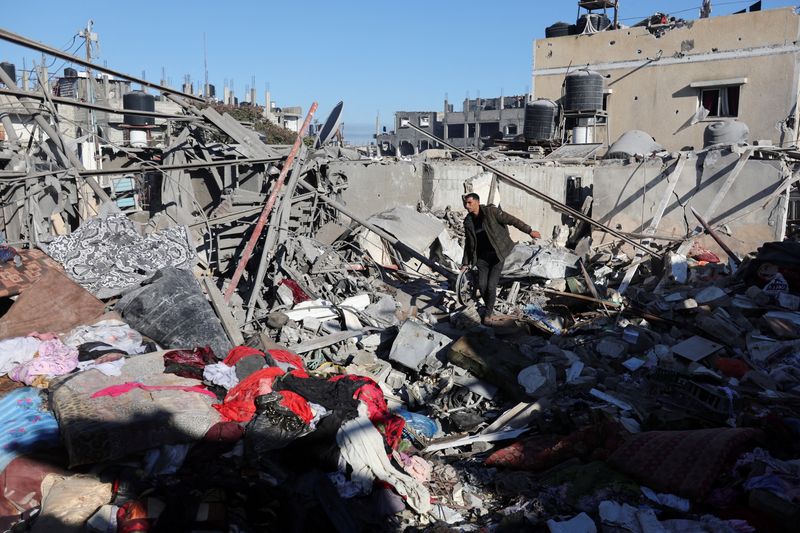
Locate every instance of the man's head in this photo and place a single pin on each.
(472, 203)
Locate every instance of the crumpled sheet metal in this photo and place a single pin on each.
(527, 260)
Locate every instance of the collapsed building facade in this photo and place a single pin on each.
(291, 343)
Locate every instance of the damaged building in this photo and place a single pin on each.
(282, 337)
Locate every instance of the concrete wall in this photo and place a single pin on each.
(627, 196)
(375, 187)
(650, 76)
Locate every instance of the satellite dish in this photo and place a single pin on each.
(330, 127)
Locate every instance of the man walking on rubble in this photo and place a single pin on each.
(488, 244)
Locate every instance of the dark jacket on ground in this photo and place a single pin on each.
(496, 223)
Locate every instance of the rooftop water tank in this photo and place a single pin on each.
(584, 91)
(540, 120)
(9, 69)
(559, 29)
(592, 23)
(726, 132)
(70, 72)
(139, 101)
(633, 143)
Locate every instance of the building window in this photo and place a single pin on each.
(721, 101)
(472, 130)
(424, 121)
(404, 122)
(455, 131)
(511, 129)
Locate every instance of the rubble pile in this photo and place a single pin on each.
(249, 354)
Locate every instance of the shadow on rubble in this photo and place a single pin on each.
(220, 486)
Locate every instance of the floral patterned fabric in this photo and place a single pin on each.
(106, 255)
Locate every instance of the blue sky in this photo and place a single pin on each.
(377, 56)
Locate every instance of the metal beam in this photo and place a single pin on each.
(63, 151)
(84, 105)
(34, 45)
(540, 195)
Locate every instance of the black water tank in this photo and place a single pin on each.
(139, 101)
(598, 22)
(540, 120)
(559, 29)
(9, 69)
(70, 72)
(584, 91)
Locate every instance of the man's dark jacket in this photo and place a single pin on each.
(495, 222)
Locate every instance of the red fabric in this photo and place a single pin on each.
(297, 404)
(132, 516)
(298, 295)
(734, 368)
(285, 356)
(391, 426)
(240, 402)
(540, 452)
(119, 390)
(239, 353)
(224, 432)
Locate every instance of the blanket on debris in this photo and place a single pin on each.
(167, 409)
(106, 255)
(685, 463)
(24, 425)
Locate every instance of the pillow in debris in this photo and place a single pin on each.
(69, 501)
(111, 427)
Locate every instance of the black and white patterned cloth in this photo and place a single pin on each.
(106, 255)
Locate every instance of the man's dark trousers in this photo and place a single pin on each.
(488, 278)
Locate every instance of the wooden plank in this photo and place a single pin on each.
(223, 312)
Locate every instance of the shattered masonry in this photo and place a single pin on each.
(641, 372)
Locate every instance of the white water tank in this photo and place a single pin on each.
(139, 138)
(582, 135)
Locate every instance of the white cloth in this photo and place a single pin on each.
(361, 446)
(111, 368)
(112, 332)
(221, 374)
(14, 352)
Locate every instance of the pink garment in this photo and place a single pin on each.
(54, 359)
(119, 390)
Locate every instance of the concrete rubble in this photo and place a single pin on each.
(342, 379)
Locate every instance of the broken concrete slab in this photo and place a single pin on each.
(417, 346)
(696, 348)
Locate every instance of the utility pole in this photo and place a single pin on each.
(89, 36)
(205, 67)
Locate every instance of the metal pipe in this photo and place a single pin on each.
(540, 195)
(185, 166)
(714, 235)
(24, 41)
(144, 168)
(84, 105)
(262, 219)
(391, 239)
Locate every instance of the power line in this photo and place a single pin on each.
(738, 2)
